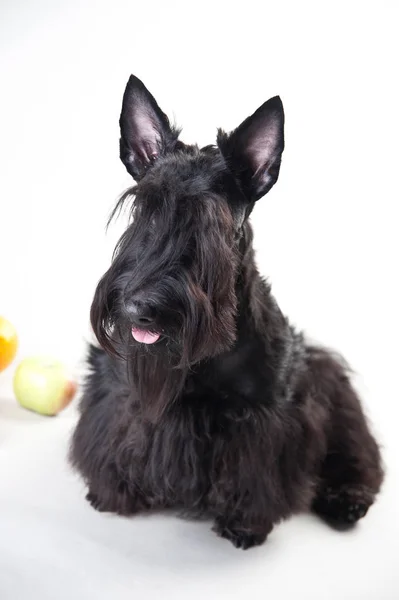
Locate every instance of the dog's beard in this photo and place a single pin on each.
(158, 371)
(154, 382)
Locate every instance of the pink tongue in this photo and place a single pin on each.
(145, 337)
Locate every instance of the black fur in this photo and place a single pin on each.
(231, 413)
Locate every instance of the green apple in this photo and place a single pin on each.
(43, 385)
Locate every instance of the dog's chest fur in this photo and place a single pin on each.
(207, 437)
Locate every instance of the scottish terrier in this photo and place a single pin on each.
(201, 396)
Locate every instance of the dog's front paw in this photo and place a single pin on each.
(95, 501)
(343, 506)
(107, 503)
(114, 500)
(239, 536)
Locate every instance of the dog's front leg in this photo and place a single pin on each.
(244, 510)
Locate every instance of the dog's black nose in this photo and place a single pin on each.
(140, 313)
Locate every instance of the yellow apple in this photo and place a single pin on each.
(43, 385)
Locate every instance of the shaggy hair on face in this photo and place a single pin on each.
(202, 397)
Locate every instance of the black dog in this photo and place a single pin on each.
(203, 398)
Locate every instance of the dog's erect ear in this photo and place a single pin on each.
(145, 130)
(253, 150)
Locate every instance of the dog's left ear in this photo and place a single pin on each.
(253, 150)
(145, 130)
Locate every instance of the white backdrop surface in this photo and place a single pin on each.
(326, 236)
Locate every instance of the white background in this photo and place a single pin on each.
(327, 235)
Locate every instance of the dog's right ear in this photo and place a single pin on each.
(145, 130)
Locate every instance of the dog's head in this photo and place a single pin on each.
(172, 285)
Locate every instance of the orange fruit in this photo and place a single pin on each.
(8, 343)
